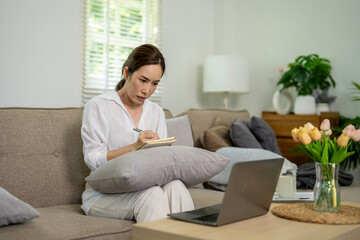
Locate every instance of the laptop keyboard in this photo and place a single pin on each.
(208, 218)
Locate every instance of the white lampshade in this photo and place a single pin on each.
(226, 73)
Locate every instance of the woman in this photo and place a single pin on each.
(107, 132)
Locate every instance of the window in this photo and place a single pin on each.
(112, 28)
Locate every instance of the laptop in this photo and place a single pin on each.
(249, 194)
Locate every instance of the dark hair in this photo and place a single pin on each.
(145, 54)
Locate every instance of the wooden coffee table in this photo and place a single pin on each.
(263, 227)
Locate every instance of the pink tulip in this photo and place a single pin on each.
(349, 130)
(308, 126)
(356, 135)
(304, 138)
(325, 125)
(315, 134)
(281, 69)
(295, 134)
(328, 132)
(343, 140)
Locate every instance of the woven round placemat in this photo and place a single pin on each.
(304, 212)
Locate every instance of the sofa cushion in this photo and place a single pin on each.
(156, 166)
(236, 154)
(241, 136)
(180, 128)
(202, 119)
(44, 148)
(218, 136)
(167, 113)
(13, 210)
(264, 134)
(68, 222)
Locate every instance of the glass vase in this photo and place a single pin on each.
(326, 189)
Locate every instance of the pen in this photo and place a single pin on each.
(137, 129)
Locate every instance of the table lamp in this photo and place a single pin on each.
(226, 73)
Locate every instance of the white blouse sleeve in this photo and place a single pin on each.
(94, 133)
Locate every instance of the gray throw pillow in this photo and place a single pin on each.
(180, 128)
(156, 166)
(13, 210)
(235, 154)
(264, 134)
(241, 136)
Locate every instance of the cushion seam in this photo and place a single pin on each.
(103, 234)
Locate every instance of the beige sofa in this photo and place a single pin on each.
(41, 163)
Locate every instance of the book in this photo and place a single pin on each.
(157, 143)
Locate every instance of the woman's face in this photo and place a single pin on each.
(142, 83)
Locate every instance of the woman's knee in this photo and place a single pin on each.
(174, 184)
(152, 205)
(155, 197)
(154, 191)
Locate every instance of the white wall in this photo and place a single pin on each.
(40, 53)
(187, 31)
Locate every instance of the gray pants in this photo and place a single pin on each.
(145, 205)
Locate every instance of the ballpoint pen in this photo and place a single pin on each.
(137, 129)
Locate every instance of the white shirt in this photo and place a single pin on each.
(107, 126)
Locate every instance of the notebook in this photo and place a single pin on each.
(249, 194)
(157, 143)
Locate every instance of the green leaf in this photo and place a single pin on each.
(312, 153)
(317, 146)
(325, 153)
(307, 74)
(356, 85)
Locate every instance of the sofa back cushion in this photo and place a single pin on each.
(41, 155)
(167, 113)
(202, 119)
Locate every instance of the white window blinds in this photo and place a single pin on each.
(112, 29)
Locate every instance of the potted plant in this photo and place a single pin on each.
(307, 74)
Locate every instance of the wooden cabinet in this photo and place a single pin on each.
(283, 124)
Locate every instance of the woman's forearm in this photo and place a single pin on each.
(121, 151)
(144, 136)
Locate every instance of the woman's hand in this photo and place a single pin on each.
(146, 135)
